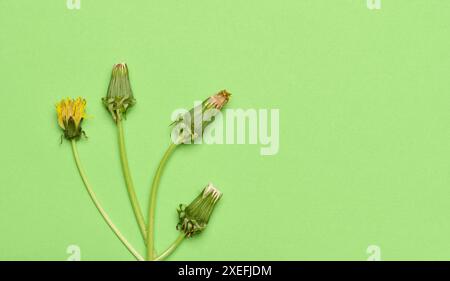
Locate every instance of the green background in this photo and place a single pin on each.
(364, 99)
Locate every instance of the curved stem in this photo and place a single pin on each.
(171, 248)
(152, 203)
(129, 182)
(99, 207)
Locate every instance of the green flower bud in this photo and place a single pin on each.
(119, 97)
(195, 216)
(191, 125)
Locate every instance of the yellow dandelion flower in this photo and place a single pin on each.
(70, 114)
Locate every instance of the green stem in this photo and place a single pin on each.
(171, 248)
(129, 182)
(99, 207)
(152, 203)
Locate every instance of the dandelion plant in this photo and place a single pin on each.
(194, 218)
(188, 128)
(118, 100)
(70, 114)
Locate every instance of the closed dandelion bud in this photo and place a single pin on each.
(194, 218)
(191, 125)
(70, 113)
(120, 97)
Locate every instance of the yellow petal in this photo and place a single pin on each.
(59, 113)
